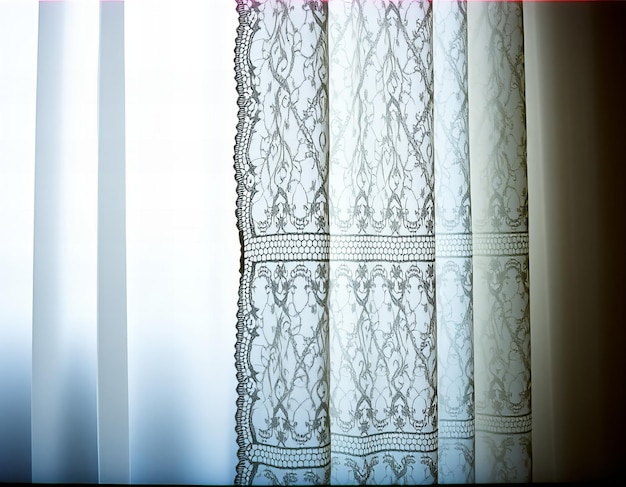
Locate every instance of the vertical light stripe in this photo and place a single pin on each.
(541, 136)
(453, 275)
(113, 450)
(64, 445)
(182, 246)
(18, 88)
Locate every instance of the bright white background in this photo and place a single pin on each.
(182, 243)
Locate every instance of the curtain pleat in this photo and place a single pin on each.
(64, 302)
(383, 375)
(497, 122)
(281, 162)
(383, 325)
(453, 246)
(113, 434)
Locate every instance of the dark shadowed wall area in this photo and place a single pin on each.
(576, 99)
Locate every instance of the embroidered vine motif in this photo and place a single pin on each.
(383, 320)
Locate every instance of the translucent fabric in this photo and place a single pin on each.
(383, 326)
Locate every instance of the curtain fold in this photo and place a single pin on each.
(383, 325)
(64, 417)
(497, 120)
(453, 245)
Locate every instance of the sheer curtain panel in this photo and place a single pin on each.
(383, 325)
(115, 178)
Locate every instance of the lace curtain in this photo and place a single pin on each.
(380, 163)
(383, 323)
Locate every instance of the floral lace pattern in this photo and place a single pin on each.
(383, 322)
(500, 224)
(381, 166)
(281, 167)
